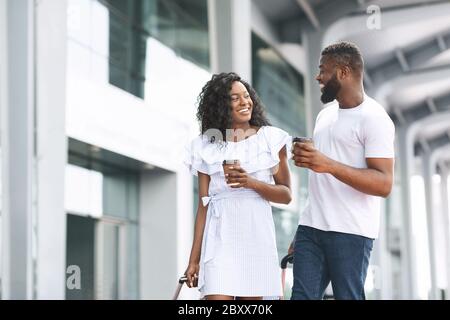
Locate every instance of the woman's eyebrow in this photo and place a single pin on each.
(236, 94)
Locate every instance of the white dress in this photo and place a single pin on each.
(239, 255)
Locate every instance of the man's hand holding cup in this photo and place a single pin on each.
(305, 155)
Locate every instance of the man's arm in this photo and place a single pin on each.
(375, 180)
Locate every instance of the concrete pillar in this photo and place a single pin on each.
(230, 37)
(382, 271)
(3, 139)
(18, 152)
(445, 214)
(408, 262)
(166, 231)
(34, 149)
(51, 37)
(313, 45)
(185, 225)
(158, 235)
(428, 171)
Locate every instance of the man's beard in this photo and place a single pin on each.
(330, 90)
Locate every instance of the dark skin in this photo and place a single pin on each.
(374, 180)
(280, 192)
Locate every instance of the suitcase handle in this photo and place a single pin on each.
(181, 281)
(289, 258)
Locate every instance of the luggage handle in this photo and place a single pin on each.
(181, 281)
(289, 258)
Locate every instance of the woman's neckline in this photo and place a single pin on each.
(249, 137)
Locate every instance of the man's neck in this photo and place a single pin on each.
(350, 98)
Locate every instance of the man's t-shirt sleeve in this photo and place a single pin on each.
(379, 134)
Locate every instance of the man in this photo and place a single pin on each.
(351, 162)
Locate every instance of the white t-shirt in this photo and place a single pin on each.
(348, 136)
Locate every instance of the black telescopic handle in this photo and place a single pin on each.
(182, 280)
(286, 259)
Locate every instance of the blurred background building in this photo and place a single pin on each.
(98, 99)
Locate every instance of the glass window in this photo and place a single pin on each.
(80, 256)
(101, 183)
(94, 193)
(132, 267)
(102, 199)
(181, 25)
(107, 261)
(120, 195)
(286, 223)
(279, 86)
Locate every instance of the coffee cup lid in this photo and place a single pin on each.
(302, 139)
(233, 161)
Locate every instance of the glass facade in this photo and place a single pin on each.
(182, 25)
(102, 201)
(110, 40)
(280, 87)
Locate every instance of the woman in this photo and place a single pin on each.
(234, 251)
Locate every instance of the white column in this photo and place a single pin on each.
(408, 262)
(158, 235)
(446, 226)
(4, 270)
(230, 36)
(429, 167)
(313, 45)
(185, 225)
(18, 153)
(51, 35)
(382, 271)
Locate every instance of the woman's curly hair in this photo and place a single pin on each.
(214, 104)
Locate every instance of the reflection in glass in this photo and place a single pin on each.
(107, 261)
(279, 86)
(285, 226)
(181, 25)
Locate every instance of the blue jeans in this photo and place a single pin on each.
(324, 256)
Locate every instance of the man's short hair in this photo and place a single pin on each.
(346, 54)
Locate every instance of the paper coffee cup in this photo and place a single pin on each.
(227, 164)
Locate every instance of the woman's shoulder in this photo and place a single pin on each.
(203, 156)
(271, 131)
(200, 142)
